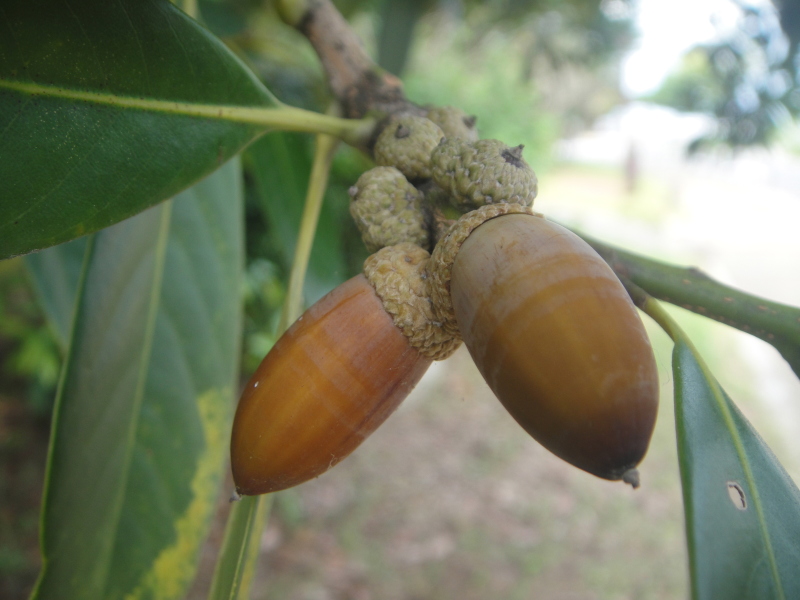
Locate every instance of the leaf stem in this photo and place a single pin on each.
(190, 8)
(235, 563)
(355, 132)
(292, 11)
(325, 148)
(656, 311)
(237, 559)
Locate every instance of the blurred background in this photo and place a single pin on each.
(666, 128)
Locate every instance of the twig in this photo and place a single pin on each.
(688, 287)
(359, 85)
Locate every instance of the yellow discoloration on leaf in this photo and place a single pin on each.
(174, 568)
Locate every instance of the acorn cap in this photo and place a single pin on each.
(406, 143)
(400, 278)
(388, 210)
(483, 172)
(455, 123)
(444, 255)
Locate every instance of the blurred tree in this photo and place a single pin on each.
(585, 32)
(569, 49)
(748, 81)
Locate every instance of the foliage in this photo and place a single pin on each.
(694, 88)
(748, 81)
(127, 122)
(30, 351)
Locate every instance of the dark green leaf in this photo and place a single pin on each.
(89, 132)
(281, 165)
(56, 273)
(142, 417)
(742, 509)
(398, 22)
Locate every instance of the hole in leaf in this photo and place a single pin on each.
(736, 494)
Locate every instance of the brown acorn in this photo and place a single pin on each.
(558, 340)
(327, 384)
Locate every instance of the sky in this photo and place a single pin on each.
(667, 29)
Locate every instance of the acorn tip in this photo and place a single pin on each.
(631, 477)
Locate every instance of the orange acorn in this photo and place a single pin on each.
(336, 374)
(556, 336)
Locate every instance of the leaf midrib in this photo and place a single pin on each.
(144, 363)
(227, 112)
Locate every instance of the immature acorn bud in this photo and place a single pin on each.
(558, 340)
(327, 384)
(483, 172)
(406, 143)
(388, 210)
(455, 123)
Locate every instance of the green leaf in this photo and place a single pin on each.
(742, 509)
(56, 273)
(143, 413)
(281, 167)
(107, 108)
(398, 21)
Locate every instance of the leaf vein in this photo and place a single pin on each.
(138, 43)
(144, 358)
(34, 205)
(186, 54)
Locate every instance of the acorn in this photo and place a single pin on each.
(388, 210)
(554, 334)
(406, 143)
(482, 172)
(336, 374)
(454, 122)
